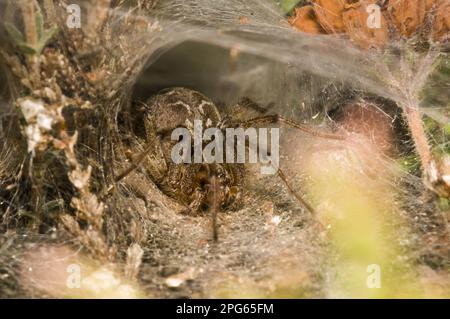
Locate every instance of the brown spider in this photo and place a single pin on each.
(199, 187)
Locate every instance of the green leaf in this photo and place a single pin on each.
(14, 33)
(39, 22)
(46, 37)
(18, 39)
(25, 48)
(444, 204)
(409, 163)
(288, 5)
(447, 129)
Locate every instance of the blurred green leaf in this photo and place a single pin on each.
(18, 39)
(14, 33)
(44, 36)
(26, 48)
(444, 204)
(436, 92)
(288, 5)
(47, 35)
(409, 163)
(39, 23)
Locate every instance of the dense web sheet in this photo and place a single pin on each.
(257, 27)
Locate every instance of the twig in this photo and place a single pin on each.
(414, 119)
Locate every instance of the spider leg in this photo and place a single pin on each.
(134, 164)
(153, 167)
(297, 196)
(128, 170)
(275, 118)
(213, 206)
(294, 193)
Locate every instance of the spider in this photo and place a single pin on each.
(199, 187)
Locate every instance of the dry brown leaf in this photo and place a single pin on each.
(407, 15)
(355, 22)
(329, 14)
(351, 17)
(441, 25)
(429, 4)
(305, 20)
